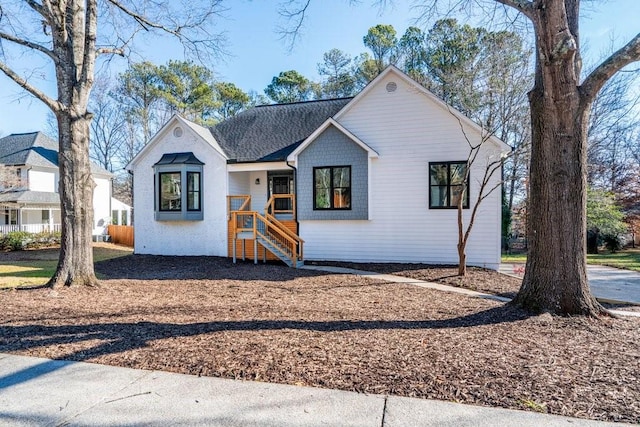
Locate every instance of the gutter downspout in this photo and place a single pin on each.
(295, 192)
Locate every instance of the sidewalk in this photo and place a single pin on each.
(628, 292)
(608, 284)
(42, 392)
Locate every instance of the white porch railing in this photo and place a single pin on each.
(30, 228)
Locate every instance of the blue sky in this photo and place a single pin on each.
(256, 54)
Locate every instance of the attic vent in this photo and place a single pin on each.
(392, 86)
(177, 132)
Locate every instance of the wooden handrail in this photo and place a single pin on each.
(273, 230)
(290, 233)
(269, 207)
(280, 229)
(244, 206)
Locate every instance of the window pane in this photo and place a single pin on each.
(322, 177)
(457, 173)
(322, 182)
(457, 191)
(439, 196)
(170, 194)
(193, 191)
(323, 198)
(193, 181)
(341, 177)
(438, 174)
(341, 198)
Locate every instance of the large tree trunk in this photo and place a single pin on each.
(75, 266)
(555, 277)
(74, 36)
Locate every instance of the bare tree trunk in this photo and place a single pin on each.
(462, 244)
(74, 47)
(75, 266)
(555, 277)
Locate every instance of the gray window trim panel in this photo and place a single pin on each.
(184, 214)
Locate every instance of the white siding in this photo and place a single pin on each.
(408, 131)
(42, 180)
(241, 183)
(238, 183)
(258, 191)
(207, 237)
(101, 204)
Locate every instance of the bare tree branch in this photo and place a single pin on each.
(200, 47)
(89, 48)
(49, 102)
(37, 7)
(524, 6)
(624, 56)
(27, 43)
(294, 16)
(110, 51)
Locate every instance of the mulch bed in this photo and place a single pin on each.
(207, 316)
(477, 279)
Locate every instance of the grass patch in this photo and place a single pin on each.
(514, 257)
(25, 273)
(628, 259)
(35, 267)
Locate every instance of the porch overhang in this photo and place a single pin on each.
(257, 166)
(34, 200)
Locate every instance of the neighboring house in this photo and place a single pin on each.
(32, 202)
(374, 178)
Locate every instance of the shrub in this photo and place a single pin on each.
(16, 240)
(21, 240)
(612, 242)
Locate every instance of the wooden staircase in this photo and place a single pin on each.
(265, 231)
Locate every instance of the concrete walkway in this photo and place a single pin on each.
(42, 392)
(624, 297)
(607, 284)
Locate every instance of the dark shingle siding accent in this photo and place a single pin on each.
(333, 148)
(272, 132)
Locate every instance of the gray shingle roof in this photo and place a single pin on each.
(34, 149)
(38, 197)
(272, 132)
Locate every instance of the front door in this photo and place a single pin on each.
(281, 184)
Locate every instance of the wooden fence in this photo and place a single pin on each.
(121, 234)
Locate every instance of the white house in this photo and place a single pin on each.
(374, 178)
(29, 198)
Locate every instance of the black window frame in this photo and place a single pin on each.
(465, 184)
(169, 172)
(332, 189)
(197, 191)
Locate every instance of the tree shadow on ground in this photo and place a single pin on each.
(114, 338)
(158, 267)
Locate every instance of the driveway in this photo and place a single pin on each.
(607, 284)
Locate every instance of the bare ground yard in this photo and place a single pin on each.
(207, 316)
